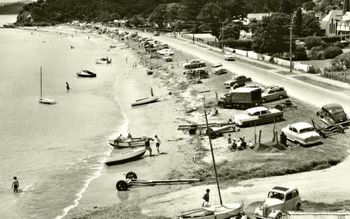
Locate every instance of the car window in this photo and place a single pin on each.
(263, 112)
(256, 113)
(295, 193)
(289, 196)
(308, 129)
(271, 91)
(276, 195)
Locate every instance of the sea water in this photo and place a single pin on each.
(54, 150)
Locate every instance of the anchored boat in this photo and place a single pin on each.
(86, 74)
(42, 99)
(125, 157)
(145, 101)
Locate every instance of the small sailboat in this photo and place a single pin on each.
(42, 99)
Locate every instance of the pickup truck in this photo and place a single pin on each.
(236, 80)
(258, 115)
(279, 200)
(195, 63)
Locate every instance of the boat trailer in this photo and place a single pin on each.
(131, 180)
(328, 130)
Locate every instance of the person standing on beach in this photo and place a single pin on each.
(152, 92)
(229, 141)
(67, 86)
(15, 184)
(148, 145)
(157, 143)
(206, 199)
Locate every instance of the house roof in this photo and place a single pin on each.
(333, 14)
(257, 16)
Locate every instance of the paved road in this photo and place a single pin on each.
(328, 185)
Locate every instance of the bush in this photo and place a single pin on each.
(340, 62)
(341, 44)
(300, 53)
(238, 44)
(313, 41)
(331, 39)
(332, 52)
(316, 53)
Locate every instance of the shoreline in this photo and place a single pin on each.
(145, 209)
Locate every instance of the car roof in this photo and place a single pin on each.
(246, 89)
(301, 125)
(283, 189)
(331, 106)
(256, 109)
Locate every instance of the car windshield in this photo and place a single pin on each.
(308, 129)
(276, 195)
(217, 65)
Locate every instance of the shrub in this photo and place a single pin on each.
(340, 62)
(332, 52)
(341, 44)
(313, 41)
(238, 44)
(300, 53)
(316, 53)
(331, 39)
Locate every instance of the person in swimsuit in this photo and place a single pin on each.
(15, 184)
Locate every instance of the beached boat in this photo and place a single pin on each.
(86, 74)
(130, 142)
(221, 211)
(104, 60)
(42, 99)
(145, 101)
(214, 212)
(125, 157)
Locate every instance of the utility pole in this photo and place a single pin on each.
(222, 37)
(290, 43)
(192, 31)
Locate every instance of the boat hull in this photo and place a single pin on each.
(86, 74)
(137, 142)
(145, 101)
(125, 157)
(215, 212)
(47, 101)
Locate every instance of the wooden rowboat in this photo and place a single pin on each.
(133, 142)
(86, 74)
(145, 101)
(125, 157)
(214, 212)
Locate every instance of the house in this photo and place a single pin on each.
(344, 24)
(329, 24)
(120, 23)
(257, 16)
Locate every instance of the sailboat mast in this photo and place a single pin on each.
(212, 155)
(41, 83)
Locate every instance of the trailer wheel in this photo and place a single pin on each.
(131, 175)
(122, 185)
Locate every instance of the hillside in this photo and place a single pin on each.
(12, 8)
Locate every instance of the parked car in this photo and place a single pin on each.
(279, 200)
(196, 73)
(273, 93)
(218, 69)
(333, 113)
(302, 133)
(229, 57)
(239, 79)
(165, 52)
(258, 115)
(195, 63)
(167, 58)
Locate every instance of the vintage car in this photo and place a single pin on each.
(258, 115)
(301, 133)
(218, 69)
(195, 63)
(279, 200)
(196, 73)
(239, 79)
(229, 57)
(273, 93)
(165, 52)
(333, 114)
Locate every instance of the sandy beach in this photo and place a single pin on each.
(182, 156)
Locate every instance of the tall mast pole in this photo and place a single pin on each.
(41, 83)
(212, 155)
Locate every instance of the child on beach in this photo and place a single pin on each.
(15, 184)
(157, 143)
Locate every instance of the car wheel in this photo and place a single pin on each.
(279, 216)
(280, 97)
(263, 100)
(298, 207)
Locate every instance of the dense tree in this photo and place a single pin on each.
(298, 22)
(287, 6)
(310, 25)
(192, 9)
(230, 32)
(271, 33)
(313, 41)
(309, 5)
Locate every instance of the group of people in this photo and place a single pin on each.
(240, 144)
(148, 144)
